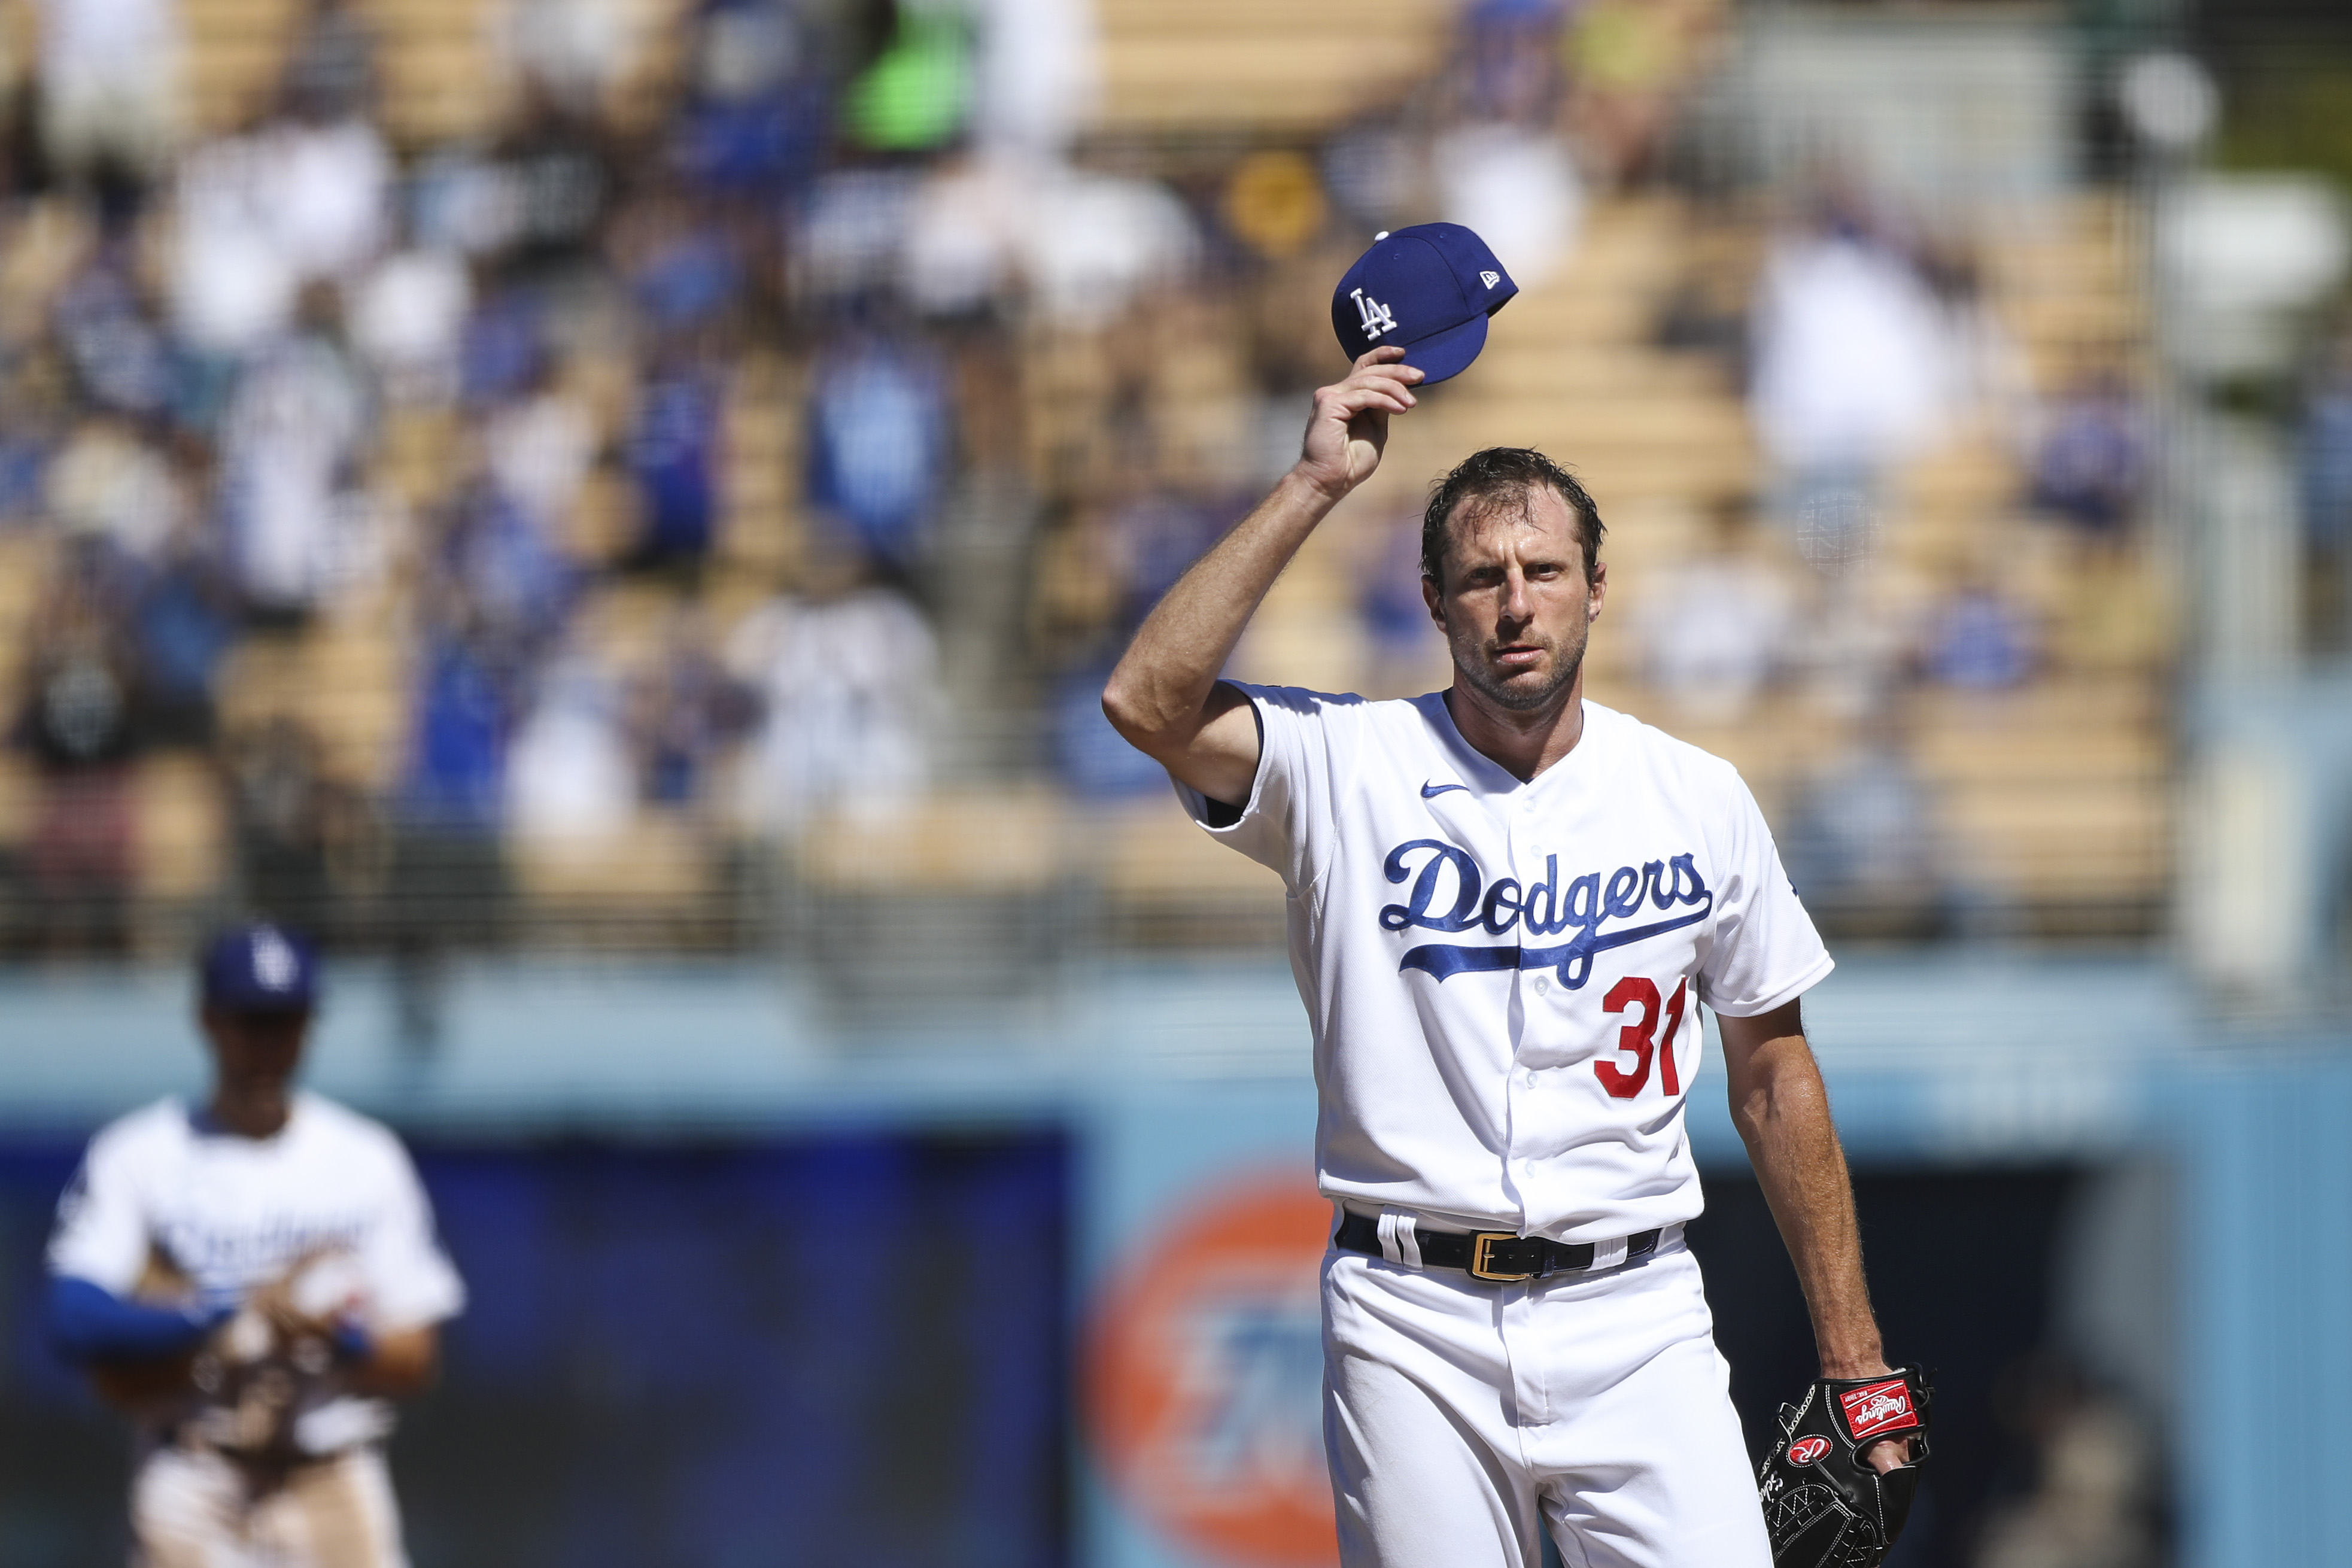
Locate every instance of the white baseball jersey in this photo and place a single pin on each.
(1504, 978)
(232, 1213)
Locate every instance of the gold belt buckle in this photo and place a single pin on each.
(1481, 1244)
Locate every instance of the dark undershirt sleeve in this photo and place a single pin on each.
(1224, 814)
(1283, 823)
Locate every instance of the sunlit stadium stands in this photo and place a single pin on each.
(2040, 800)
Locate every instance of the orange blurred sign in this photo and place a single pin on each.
(1204, 1377)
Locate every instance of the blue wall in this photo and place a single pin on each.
(821, 1351)
(2266, 1278)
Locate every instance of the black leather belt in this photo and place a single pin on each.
(1492, 1255)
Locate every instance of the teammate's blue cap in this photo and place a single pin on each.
(1428, 289)
(259, 969)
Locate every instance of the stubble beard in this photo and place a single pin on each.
(1471, 665)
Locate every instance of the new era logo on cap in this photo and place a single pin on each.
(1428, 289)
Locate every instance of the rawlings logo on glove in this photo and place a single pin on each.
(1879, 1408)
(1823, 1506)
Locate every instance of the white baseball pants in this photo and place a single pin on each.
(1461, 1418)
(194, 1509)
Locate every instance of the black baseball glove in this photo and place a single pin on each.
(1823, 1506)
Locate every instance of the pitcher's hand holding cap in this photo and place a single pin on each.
(1427, 290)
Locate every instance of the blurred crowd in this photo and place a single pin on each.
(1868, 347)
(625, 440)
(773, 411)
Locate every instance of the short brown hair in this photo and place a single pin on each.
(1503, 476)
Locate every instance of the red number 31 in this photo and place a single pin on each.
(1636, 992)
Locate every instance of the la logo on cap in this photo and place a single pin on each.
(1427, 290)
(274, 962)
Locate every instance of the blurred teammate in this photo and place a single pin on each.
(252, 1280)
(1507, 907)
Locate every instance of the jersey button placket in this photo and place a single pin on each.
(1521, 1304)
(1521, 1085)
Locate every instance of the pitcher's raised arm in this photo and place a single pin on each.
(1164, 697)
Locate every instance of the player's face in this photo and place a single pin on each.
(254, 1054)
(1515, 606)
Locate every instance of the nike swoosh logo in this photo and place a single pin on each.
(1432, 791)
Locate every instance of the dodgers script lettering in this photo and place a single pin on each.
(1448, 893)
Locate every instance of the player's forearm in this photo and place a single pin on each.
(1783, 1115)
(1159, 695)
(91, 1325)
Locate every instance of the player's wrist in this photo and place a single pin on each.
(1844, 1368)
(352, 1344)
(1308, 483)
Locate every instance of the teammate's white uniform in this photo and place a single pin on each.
(1503, 981)
(231, 1213)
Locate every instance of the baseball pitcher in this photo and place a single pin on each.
(1507, 906)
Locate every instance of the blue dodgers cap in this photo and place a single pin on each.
(259, 969)
(1428, 289)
